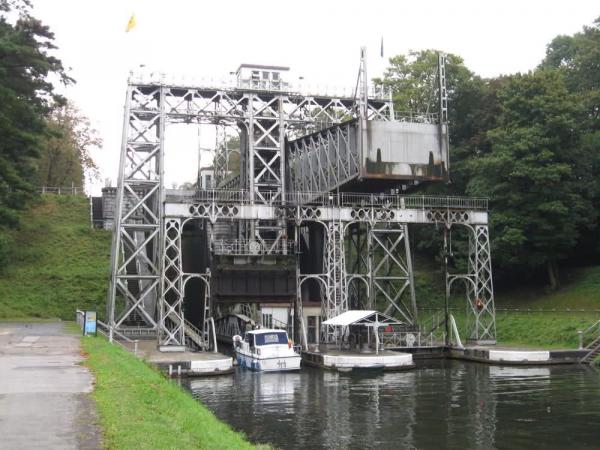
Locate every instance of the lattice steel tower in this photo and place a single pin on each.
(292, 225)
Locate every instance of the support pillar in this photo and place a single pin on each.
(171, 331)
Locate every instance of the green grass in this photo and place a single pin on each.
(141, 409)
(580, 290)
(58, 264)
(535, 329)
(548, 330)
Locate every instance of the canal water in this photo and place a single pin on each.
(440, 404)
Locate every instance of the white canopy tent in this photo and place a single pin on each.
(369, 319)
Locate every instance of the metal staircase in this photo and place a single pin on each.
(193, 335)
(594, 352)
(593, 346)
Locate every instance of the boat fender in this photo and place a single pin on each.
(290, 343)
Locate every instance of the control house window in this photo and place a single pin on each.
(267, 320)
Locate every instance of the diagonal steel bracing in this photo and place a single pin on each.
(392, 272)
(147, 281)
(481, 315)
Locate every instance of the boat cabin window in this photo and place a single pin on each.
(271, 338)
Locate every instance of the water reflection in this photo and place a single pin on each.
(443, 404)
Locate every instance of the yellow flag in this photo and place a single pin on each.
(131, 24)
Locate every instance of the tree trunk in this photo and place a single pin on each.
(552, 268)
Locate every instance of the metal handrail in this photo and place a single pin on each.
(114, 332)
(582, 333)
(61, 190)
(193, 329)
(214, 334)
(413, 116)
(107, 332)
(123, 346)
(348, 199)
(252, 247)
(591, 327)
(375, 91)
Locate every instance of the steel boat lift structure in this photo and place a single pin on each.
(316, 210)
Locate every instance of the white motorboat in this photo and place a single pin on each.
(266, 350)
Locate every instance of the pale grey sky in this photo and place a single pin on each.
(319, 40)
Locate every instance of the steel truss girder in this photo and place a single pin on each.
(172, 321)
(391, 270)
(135, 253)
(172, 329)
(382, 262)
(267, 117)
(322, 161)
(481, 314)
(218, 210)
(336, 293)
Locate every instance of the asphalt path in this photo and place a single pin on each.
(45, 399)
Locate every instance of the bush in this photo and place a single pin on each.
(6, 248)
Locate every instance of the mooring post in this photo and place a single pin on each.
(135, 347)
(580, 336)
(170, 370)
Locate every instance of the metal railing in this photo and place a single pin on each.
(526, 310)
(194, 334)
(375, 92)
(401, 339)
(412, 116)
(347, 199)
(252, 247)
(61, 190)
(108, 333)
(589, 336)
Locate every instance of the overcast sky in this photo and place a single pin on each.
(319, 40)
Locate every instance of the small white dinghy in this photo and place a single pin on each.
(266, 350)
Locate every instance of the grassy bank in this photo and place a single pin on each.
(57, 263)
(535, 329)
(141, 409)
(540, 326)
(580, 290)
(548, 330)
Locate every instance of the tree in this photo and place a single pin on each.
(536, 173)
(27, 97)
(413, 81)
(577, 57)
(65, 157)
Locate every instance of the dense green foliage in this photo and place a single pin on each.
(140, 409)
(65, 158)
(536, 173)
(43, 139)
(27, 99)
(530, 142)
(58, 263)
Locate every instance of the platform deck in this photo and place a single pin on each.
(186, 363)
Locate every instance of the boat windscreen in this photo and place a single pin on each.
(271, 338)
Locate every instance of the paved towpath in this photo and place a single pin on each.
(44, 392)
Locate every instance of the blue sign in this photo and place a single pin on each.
(89, 323)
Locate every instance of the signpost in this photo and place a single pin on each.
(89, 323)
